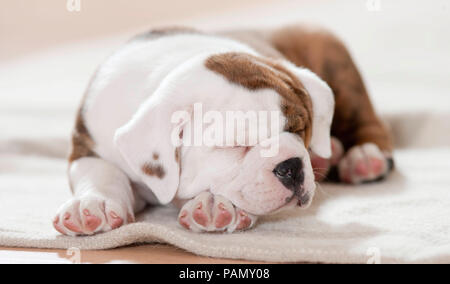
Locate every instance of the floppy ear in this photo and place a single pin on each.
(323, 109)
(148, 143)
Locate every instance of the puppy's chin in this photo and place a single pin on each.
(305, 201)
(295, 204)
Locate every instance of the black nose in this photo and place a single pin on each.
(290, 173)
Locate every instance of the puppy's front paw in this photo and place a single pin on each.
(213, 213)
(91, 214)
(364, 163)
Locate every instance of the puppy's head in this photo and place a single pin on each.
(262, 164)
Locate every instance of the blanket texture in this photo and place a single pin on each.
(403, 219)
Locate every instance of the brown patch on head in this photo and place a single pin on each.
(155, 156)
(153, 169)
(256, 73)
(82, 143)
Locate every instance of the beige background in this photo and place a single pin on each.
(402, 49)
(30, 25)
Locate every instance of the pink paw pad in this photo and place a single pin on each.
(200, 216)
(362, 164)
(213, 213)
(91, 222)
(183, 220)
(57, 227)
(377, 165)
(361, 168)
(67, 222)
(244, 221)
(224, 217)
(116, 221)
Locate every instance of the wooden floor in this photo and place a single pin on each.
(145, 254)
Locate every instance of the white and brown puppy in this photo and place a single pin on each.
(124, 155)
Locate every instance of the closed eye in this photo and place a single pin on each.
(240, 151)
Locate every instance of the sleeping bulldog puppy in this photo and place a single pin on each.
(154, 128)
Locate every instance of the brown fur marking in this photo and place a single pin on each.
(257, 73)
(153, 169)
(82, 143)
(177, 155)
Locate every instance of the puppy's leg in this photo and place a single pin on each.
(213, 213)
(103, 199)
(366, 140)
